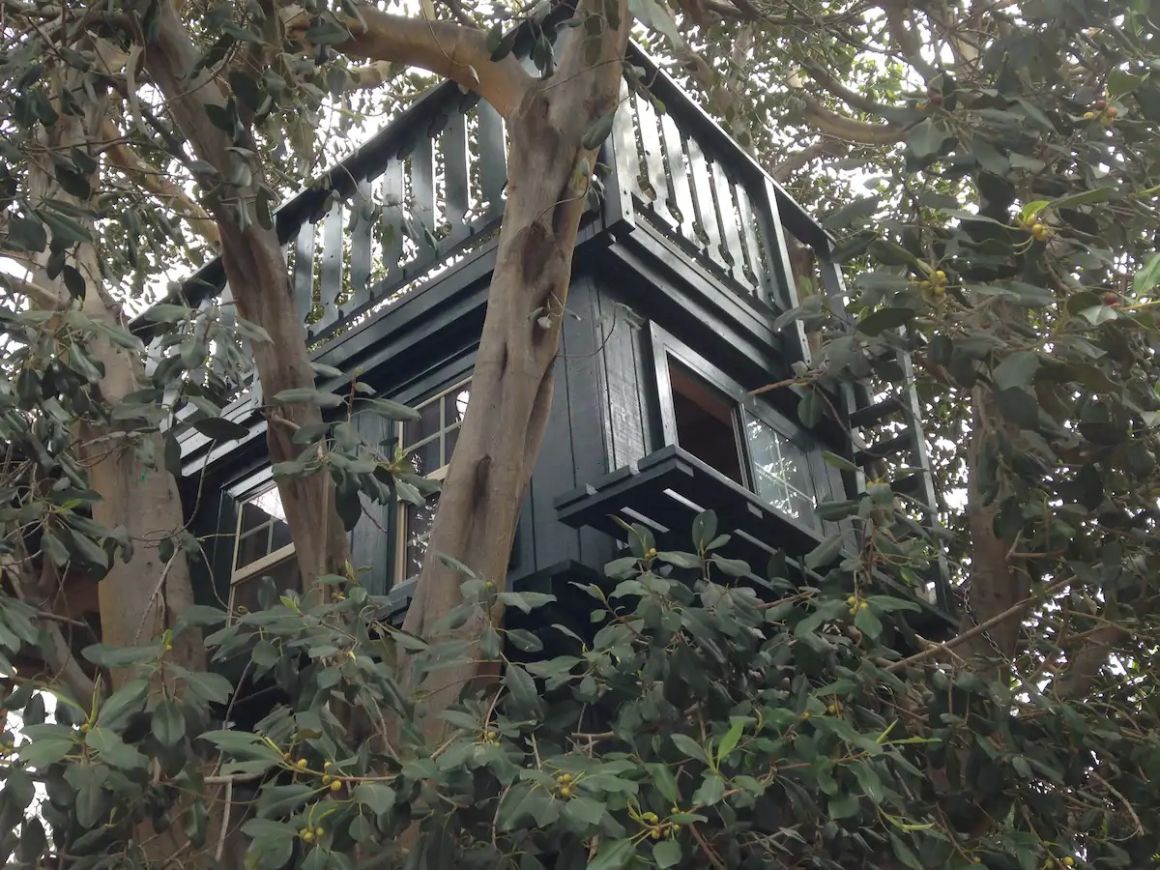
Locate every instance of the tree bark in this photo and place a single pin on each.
(142, 596)
(257, 275)
(511, 389)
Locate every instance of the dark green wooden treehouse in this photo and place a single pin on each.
(678, 278)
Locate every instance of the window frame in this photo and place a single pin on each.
(666, 347)
(399, 560)
(255, 569)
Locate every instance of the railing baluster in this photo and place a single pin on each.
(492, 158)
(758, 269)
(392, 215)
(654, 159)
(730, 232)
(678, 167)
(699, 172)
(304, 269)
(457, 181)
(331, 267)
(360, 249)
(423, 193)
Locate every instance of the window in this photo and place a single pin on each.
(704, 419)
(781, 475)
(430, 441)
(264, 549)
(740, 440)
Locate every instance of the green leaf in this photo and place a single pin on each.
(120, 656)
(613, 855)
(731, 739)
(376, 796)
(220, 429)
(1086, 197)
(45, 751)
(19, 789)
(927, 138)
(825, 552)
(114, 751)
(584, 810)
(390, 410)
(308, 396)
(690, 747)
(1017, 370)
(168, 724)
(598, 131)
(711, 792)
(1148, 276)
(867, 622)
(885, 318)
(123, 703)
(667, 853)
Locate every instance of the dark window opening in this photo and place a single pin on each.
(705, 422)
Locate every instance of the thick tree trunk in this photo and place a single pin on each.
(511, 390)
(257, 274)
(142, 596)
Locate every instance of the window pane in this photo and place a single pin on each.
(252, 547)
(704, 419)
(425, 458)
(455, 404)
(252, 517)
(426, 426)
(284, 575)
(279, 535)
(418, 519)
(780, 474)
(449, 441)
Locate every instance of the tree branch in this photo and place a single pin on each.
(58, 655)
(851, 98)
(40, 296)
(847, 129)
(154, 181)
(451, 50)
(784, 171)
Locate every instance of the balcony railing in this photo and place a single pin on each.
(430, 187)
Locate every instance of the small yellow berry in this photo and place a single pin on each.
(488, 585)
(1087, 116)
(650, 553)
(655, 833)
(336, 785)
(649, 817)
(806, 714)
(326, 765)
(1040, 231)
(939, 277)
(301, 763)
(307, 835)
(1070, 861)
(565, 791)
(832, 709)
(318, 832)
(862, 605)
(852, 600)
(85, 726)
(326, 780)
(674, 810)
(564, 778)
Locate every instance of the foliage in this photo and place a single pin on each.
(993, 192)
(700, 719)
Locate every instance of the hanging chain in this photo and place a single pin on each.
(963, 593)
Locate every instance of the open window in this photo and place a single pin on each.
(263, 549)
(705, 422)
(709, 415)
(430, 441)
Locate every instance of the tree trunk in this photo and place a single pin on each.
(257, 274)
(142, 596)
(511, 389)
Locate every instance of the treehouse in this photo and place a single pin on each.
(682, 267)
